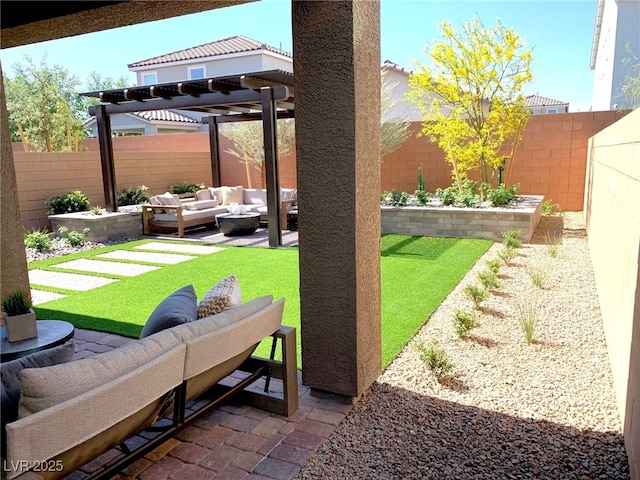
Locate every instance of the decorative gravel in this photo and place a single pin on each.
(510, 410)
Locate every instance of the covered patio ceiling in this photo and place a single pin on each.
(266, 96)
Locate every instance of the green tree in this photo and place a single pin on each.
(471, 97)
(248, 143)
(40, 103)
(394, 130)
(630, 92)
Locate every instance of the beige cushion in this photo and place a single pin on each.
(204, 195)
(170, 199)
(222, 296)
(254, 196)
(45, 387)
(200, 204)
(231, 195)
(215, 194)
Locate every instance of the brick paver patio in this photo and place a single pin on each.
(232, 442)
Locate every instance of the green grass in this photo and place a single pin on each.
(417, 273)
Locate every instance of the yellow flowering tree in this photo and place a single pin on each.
(471, 96)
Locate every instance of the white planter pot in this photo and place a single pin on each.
(21, 327)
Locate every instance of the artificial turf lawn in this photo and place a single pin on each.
(417, 273)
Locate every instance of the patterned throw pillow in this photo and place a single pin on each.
(222, 296)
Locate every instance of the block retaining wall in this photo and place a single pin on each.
(102, 228)
(464, 222)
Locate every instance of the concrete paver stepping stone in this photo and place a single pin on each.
(182, 248)
(168, 258)
(70, 281)
(113, 268)
(40, 296)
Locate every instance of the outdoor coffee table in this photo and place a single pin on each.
(238, 224)
(51, 333)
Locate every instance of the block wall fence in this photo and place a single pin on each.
(612, 212)
(550, 161)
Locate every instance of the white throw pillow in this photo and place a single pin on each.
(231, 195)
(169, 199)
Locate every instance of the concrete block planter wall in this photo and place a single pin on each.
(102, 228)
(487, 223)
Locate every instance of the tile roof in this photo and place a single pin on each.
(389, 65)
(539, 101)
(164, 115)
(235, 44)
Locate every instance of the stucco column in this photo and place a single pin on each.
(336, 54)
(13, 260)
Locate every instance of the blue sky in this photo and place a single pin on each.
(560, 33)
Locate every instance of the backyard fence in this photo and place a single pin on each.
(551, 161)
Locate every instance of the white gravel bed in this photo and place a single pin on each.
(510, 410)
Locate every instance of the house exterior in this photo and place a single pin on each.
(615, 48)
(397, 78)
(229, 56)
(540, 105)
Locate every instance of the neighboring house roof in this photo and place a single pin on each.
(226, 46)
(389, 65)
(154, 116)
(539, 101)
(165, 116)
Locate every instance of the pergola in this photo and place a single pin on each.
(266, 95)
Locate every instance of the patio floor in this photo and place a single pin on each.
(232, 442)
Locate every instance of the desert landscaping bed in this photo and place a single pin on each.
(510, 410)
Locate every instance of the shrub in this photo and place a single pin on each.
(96, 210)
(422, 197)
(538, 276)
(16, 303)
(395, 197)
(476, 294)
(74, 201)
(464, 321)
(488, 279)
(468, 196)
(502, 195)
(511, 238)
(38, 239)
(73, 237)
(437, 359)
(133, 195)
(548, 208)
(527, 316)
(493, 264)
(186, 187)
(553, 242)
(507, 254)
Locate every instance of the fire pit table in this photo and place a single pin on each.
(238, 224)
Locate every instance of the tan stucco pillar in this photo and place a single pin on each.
(336, 54)
(13, 260)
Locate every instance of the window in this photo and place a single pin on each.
(552, 110)
(149, 78)
(196, 72)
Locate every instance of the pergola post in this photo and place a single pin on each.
(214, 148)
(106, 158)
(269, 129)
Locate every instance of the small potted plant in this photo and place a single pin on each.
(19, 316)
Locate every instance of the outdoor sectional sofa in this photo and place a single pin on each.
(71, 413)
(169, 211)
